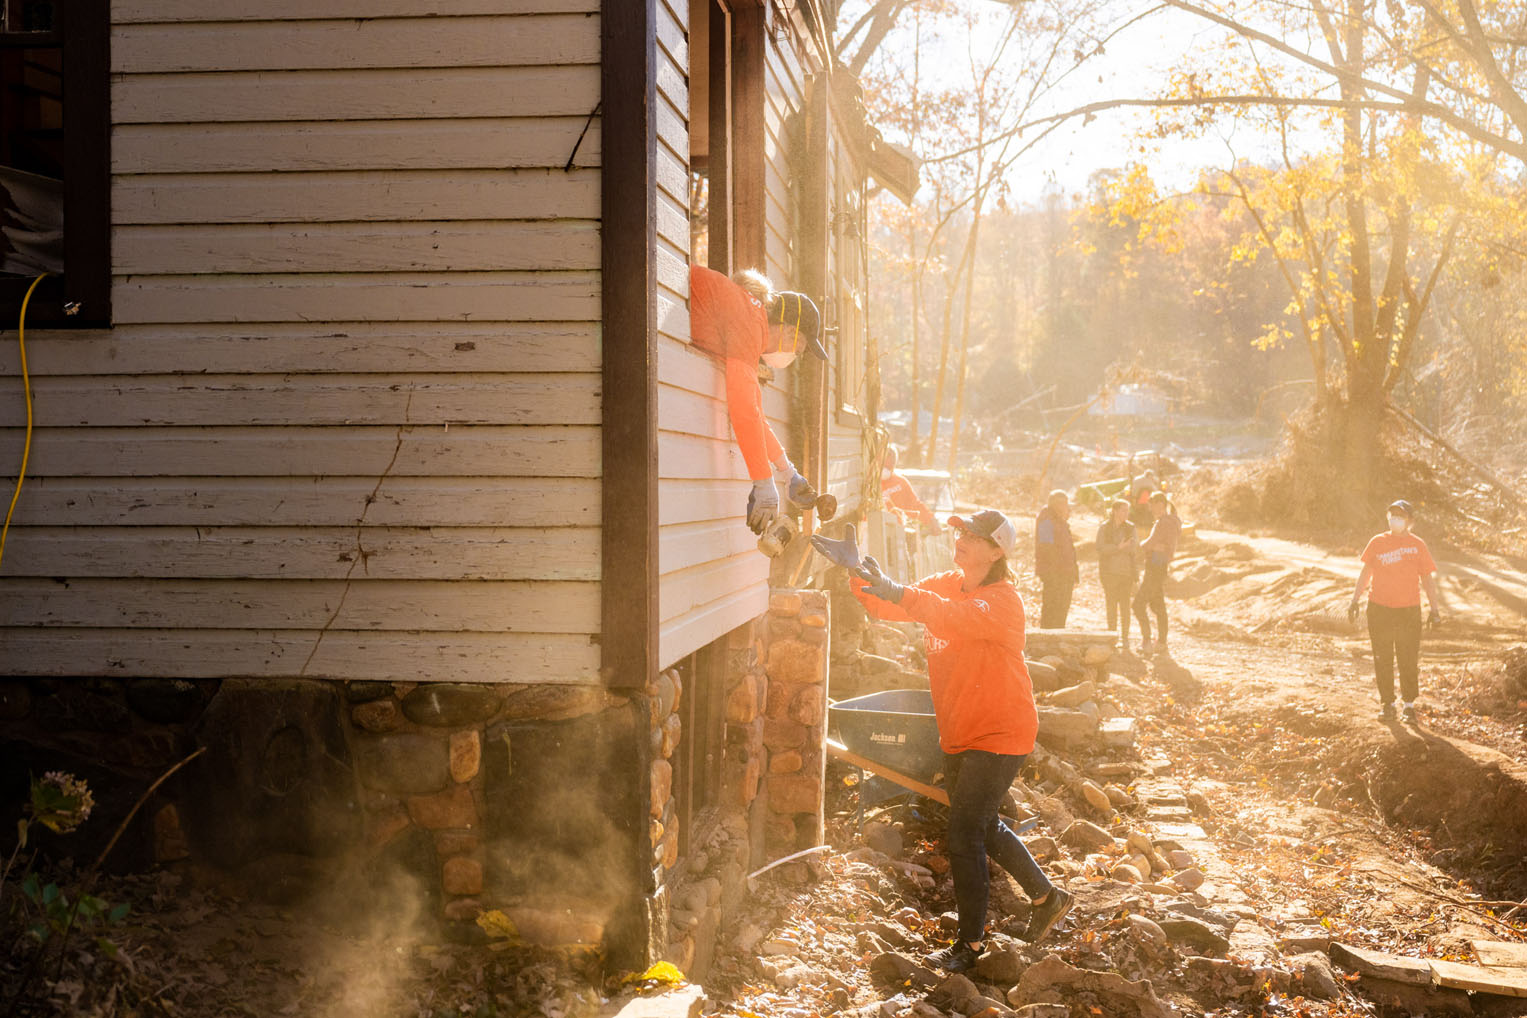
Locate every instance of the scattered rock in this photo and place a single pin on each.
(1189, 879)
(1199, 803)
(1195, 933)
(1085, 835)
(1003, 965)
(897, 969)
(1073, 696)
(1147, 931)
(1096, 798)
(1053, 981)
(884, 838)
(1118, 796)
(1126, 873)
(1179, 859)
(956, 992)
(1043, 1011)
(1042, 847)
(1316, 975)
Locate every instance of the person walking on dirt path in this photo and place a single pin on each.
(742, 321)
(1055, 560)
(983, 702)
(1159, 547)
(1118, 544)
(1397, 564)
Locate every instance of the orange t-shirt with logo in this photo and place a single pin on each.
(1398, 562)
(728, 322)
(983, 697)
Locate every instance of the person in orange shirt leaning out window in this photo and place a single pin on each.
(742, 321)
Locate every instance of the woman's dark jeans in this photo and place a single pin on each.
(1152, 595)
(1396, 637)
(977, 783)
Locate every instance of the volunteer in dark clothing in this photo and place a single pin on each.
(984, 703)
(1118, 545)
(1159, 548)
(743, 321)
(1055, 560)
(1398, 564)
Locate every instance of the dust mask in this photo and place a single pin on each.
(779, 359)
(1397, 524)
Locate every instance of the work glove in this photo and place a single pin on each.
(763, 505)
(796, 488)
(1433, 618)
(843, 553)
(1352, 610)
(878, 584)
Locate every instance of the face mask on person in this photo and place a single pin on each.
(1397, 524)
(779, 359)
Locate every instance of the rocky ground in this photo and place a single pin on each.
(1262, 816)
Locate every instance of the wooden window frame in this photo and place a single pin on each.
(83, 31)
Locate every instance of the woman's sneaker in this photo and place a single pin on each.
(957, 957)
(1044, 917)
(1386, 712)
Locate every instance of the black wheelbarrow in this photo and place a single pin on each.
(894, 736)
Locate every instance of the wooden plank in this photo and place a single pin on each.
(681, 366)
(221, 400)
(362, 196)
(479, 143)
(839, 751)
(672, 171)
(445, 93)
(371, 42)
(687, 590)
(1501, 954)
(318, 347)
(127, 12)
(427, 451)
(306, 553)
(672, 221)
(697, 458)
(1379, 965)
(686, 545)
(1502, 982)
(688, 413)
(678, 638)
(334, 501)
(393, 297)
(696, 501)
(673, 35)
(357, 247)
(484, 606)
(386, 657)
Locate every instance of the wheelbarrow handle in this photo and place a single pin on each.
(847, 755)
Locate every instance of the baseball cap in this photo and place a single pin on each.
(798, 311)
(990, 524)
(1403, 506)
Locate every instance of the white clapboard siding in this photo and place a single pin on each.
(311, 347)
(492, 245)
(445, 93)
(482, 143)
(205, 502)
(335, 44)
(307, 552)
(351, 399)
(388, 657)
(396, 297)
(695, 629)
(483, 606)
(402, 451)
(128, 12)
(233, 400)
(349, 196)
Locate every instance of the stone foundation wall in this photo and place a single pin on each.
(795, 719)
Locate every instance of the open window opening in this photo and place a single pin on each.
(54, 165)
(710, 126)
(701, 748)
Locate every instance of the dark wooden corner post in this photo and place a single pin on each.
(628, 430)
(813, 237)
(750, 36)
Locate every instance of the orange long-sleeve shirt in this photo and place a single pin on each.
(899, 493)
(728, 322)
(982, 695)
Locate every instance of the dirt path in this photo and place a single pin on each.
(1315, 821)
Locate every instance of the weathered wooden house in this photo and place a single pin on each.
(371, 453)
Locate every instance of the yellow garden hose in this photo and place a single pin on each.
(26, 391)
